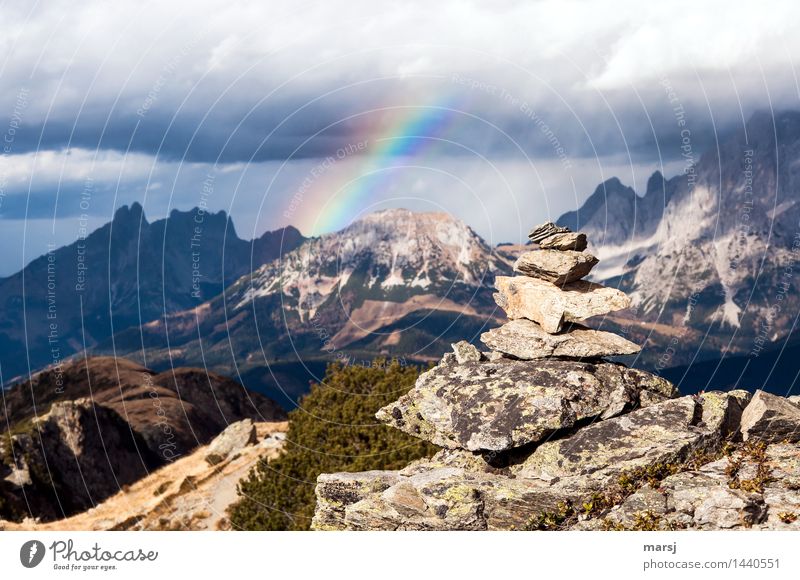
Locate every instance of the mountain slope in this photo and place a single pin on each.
(364, 291)
(128, 272)
(74, 436)
(711, 253)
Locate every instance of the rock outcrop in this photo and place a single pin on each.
(188, 494)
(83, 431)
(543, 433)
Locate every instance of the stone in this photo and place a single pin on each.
(565, 241)
(705, 498)
(551, 306)
(723, 411)
(465, 352)
(525, 340)
(692, 499)
(665, 432)
(233, 438)
(335, 491)
(770, 418)
(499, 405)
(458, 490)
(546, 230)
(555, 266)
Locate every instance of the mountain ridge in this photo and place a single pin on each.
(77, 295)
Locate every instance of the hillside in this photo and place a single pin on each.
(77, 435)
(189, 494)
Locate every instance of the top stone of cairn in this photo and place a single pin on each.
(549, 236)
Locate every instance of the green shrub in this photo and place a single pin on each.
(334, 429)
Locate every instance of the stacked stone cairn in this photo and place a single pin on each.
(542, 432)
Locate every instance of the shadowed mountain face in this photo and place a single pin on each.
(709, 257)
(126, 273)
(79, 433)
(395, 283)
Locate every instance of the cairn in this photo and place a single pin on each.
(539, 422)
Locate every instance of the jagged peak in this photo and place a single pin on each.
(130, 213)
(655, 183)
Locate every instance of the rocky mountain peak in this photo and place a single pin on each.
(130, 214)
(385, 251)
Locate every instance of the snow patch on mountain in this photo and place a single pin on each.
(393, 249)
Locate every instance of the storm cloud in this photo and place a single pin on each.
(145, 99)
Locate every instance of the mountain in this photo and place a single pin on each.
(126, 273)
(79, 433)
(395, 283)
(707, 256)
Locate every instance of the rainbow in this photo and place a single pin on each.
(337, 196)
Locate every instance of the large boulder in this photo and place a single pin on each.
(501, 404)
(665, 432)
(771, 418)
(525, 339)
(558, 267)
(232, 439)
(550, 305)
(459, 490)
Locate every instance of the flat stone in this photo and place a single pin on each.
(555, 266)
(551, 306)
(667, 431)
(500, 405)
(525, 339)
(770, 418)
(565, 241)
(546, 230)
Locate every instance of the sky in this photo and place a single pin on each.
(504, 114)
